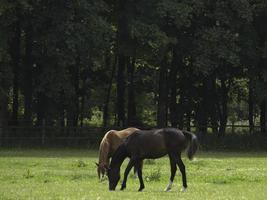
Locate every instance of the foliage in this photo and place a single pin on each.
(69, 63)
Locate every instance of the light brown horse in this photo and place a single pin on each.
(109, 144)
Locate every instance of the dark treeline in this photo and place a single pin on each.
(71, 63)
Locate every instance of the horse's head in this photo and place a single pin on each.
(101, 170)
(113, 177)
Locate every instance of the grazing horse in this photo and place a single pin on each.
(109, 144)
(152, 144)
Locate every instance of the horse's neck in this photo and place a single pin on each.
(104, 153)
(118, 157)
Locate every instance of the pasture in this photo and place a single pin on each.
(67, 174)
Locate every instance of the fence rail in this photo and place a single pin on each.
(13, 136)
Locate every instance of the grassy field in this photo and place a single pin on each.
(71, 174)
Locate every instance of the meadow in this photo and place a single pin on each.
(70, 174)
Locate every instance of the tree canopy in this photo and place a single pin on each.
(133, 63)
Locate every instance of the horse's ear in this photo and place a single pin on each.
(96, 164)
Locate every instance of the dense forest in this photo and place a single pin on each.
(119, 63)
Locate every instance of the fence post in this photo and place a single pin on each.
(43, 132)
(1, 134)
(233, 127)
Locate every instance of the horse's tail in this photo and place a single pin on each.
(193, 144)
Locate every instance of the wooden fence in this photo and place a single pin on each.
(90, 137)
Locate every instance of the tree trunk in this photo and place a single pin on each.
(173, 90)
(180, 109)
(224, 108)
(202, 113)
(28, 87)
(15, 47)
(121, 91)
(107, 99)
(76, 105)
(202, 119)
(250, 107)
(62, 113)
(41, 106)
(122, 38)
(213, 112)
(3, 113)
(62, 118)
(163, 96)
(263, 116)
(83, 96)
(132, 121)
(73, 102)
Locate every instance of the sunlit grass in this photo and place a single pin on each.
(71, 174)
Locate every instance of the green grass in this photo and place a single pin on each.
(71, 174)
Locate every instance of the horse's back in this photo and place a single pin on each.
(154, 135)
(115, 138)
(174, 139)
(146, 144)
(125, 132)
(156, 143)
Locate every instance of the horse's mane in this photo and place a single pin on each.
(104, 150)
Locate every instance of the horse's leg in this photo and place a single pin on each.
(141, 164)
(135, 169)
(138, 167)
(182, 170)
(173, 172)
(135, 172)
(126, 172)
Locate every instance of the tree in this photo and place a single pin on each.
(260, 16)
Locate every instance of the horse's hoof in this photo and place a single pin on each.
(141, 188)
(169, 186)
(167, 189)
(123, 187)
(183, 189)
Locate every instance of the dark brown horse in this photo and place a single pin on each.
(152, 144)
